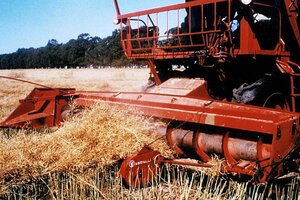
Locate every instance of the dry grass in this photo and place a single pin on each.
(99, 137)
(81, 79)
(174, 183)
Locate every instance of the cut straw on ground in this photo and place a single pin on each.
(99, 136)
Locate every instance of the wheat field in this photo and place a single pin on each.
(79, 160)
(82, 79)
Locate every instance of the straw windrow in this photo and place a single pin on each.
(98, 137)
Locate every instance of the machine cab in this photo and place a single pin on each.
(210, 28)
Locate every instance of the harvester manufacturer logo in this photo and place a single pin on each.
(132, 163)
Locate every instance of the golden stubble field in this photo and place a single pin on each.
(109, 79)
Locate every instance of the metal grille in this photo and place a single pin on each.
(174, 31)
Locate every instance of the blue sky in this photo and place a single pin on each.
(31, 23)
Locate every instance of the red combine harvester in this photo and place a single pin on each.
(226, 73)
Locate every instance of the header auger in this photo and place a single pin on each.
(226, 76)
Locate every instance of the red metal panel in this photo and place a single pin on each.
(210, 112)
(138, 43)
(39, 109)
(169, 8)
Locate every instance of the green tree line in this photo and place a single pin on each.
(83, 51)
